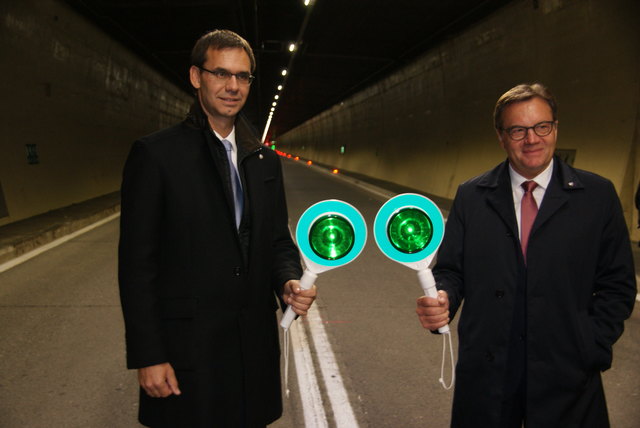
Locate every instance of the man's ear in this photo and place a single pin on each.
(194, 76)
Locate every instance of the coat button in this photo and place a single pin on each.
(489, 356)
(499, 294)
(236, 271)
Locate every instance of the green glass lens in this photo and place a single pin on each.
(410, 230)
(331, 237)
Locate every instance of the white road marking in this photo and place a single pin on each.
(342, 411)
(312, 406)
(31, 254)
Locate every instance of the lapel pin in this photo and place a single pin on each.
(570, 184)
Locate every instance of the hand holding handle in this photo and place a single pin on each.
(428, 284)
(306, 282)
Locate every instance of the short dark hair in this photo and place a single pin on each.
(220, 39)
(523, 92)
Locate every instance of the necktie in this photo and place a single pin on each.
(528, 211)
(236, 185)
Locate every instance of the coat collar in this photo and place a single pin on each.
(565, 180)
(246, 139)
(498, 183)
(564, 175)
(498, 186)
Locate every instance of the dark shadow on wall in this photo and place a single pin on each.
(4, 212)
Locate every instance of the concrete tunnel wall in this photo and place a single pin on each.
(77, 95)
(429, 125)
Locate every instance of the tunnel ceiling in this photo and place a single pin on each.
(343, 45)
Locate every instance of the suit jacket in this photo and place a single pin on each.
(196, 292)
(553, 321)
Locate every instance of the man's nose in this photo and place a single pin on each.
(531, 136)
(232, 83)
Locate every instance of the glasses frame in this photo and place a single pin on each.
(224, 75)
(511, 129)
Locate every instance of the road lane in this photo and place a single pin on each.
(388, 363)
(62, 349)
(61, 339)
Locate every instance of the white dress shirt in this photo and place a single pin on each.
(234, 148)
(543, 179)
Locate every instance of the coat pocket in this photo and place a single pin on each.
(178, 325)
(595, 356)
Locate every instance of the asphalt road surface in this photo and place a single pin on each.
(359, 359)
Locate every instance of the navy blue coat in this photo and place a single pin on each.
(575, 292)
(194, 291)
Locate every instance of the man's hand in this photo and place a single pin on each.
(158, 381)
(433, 313)
(300, 300)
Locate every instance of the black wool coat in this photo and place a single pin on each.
(195, 292)
(554, 320)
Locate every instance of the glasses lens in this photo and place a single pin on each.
(517, 133)
(243, 77)
(410, 230)
(331, 237)
(219, 74)
(543, 129)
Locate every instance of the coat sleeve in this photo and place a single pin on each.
(448, 270)
(138, 251)
(615, 285)
(286, 259)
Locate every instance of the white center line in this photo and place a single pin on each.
(313, 409)
(342, 411)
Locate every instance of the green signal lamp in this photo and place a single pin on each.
(329, 234)
(409, 229)
(331, 237)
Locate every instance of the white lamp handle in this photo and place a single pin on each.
(306, 282)
(428, 284)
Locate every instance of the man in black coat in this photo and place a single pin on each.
(539, 319)
(204, 251)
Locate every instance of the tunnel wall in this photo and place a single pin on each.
(429, 125)
(73, 100)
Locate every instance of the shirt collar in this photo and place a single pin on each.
(230, 138)
(541, 179)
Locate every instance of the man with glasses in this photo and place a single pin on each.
(204, 251)
(540, 254)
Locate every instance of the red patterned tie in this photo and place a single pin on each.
(528, 211)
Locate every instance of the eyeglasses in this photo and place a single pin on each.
(541, 129)
(223, 75)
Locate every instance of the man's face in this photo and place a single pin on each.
(222, 99)
(531, 155)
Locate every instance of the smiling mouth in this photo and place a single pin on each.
(532, 150)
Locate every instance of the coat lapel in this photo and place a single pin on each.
(499, 197)
(557, 194)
